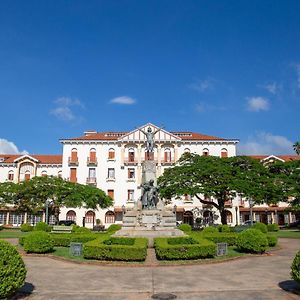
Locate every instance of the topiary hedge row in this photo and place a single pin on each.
(252, 241)
(222, 237)
(38, 242)
(118, 249)
(64, 240)
(210, 229)
(12, 270)
(26, 227)
(42, 226)
(166, 248)
(185, 227)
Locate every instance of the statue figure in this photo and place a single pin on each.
(150, 195)
(150, 138)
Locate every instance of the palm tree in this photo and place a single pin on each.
(296, 147)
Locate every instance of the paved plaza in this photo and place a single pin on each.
(259, 277)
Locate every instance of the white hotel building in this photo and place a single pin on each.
(112, 161)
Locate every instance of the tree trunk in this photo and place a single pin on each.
(223, 216)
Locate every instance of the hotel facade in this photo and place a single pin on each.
(112, 161)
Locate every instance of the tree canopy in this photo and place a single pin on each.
(219, 178)
(31, 195)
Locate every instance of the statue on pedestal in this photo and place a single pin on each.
(150, 138)
(150, 195)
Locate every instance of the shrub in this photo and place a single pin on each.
(12, 270)
(218, 237)
(240, 228)
(260, 226)
(272, 240)
(79, 229)
(113, 228)
(64, 240)
(200, 248)
(224, 228)
(1, 227)
(119, 241)
(42, 226)
(38, 242)
(99, 250)
(252, 240)
(185, 227)
(273, 227)
(295, 268)
(26, 227)
(181, 241)
(210, 229)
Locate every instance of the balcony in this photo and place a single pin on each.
(228, 203)
(91, 162)
(73, 161)
(130, 162)
(91, 181)
(168, 162)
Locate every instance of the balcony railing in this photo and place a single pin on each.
(91, 180)
(228, 203)
(130, 161)
(168, 162)
(91, 162)
(73, 161)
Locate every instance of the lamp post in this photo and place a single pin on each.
(175, 212)
(251, 213)
(236, 215)
(47, 203)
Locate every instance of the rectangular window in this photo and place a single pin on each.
(74, 156)
(111, 194)
(73, 172)
(131, 156)
(10, 176)
(167, 156)
(3, 215)
(131, 173)
(16, 219)
(130, 195)
(111, 173)
(224, 154)
(92, 173)
(111, 154)
(92, 156)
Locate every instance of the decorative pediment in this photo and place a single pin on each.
(271, 158)
(26, 157)
(137, 135)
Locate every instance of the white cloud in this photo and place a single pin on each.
(203, 85)
(272, 87)
(64, 109)
(266, 144)
(203, 107)
(7, 147)
(124, 100)
(257, 104)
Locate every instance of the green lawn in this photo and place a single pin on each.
(291, 234)
(11, 233)
(64, 252)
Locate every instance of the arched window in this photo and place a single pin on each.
(187, 150)
(111, 153)
(205, 152)
(92, 157)
(27, 175)
(44, 173)
(90, 217)
(74, 157)
(59, 174)
(131, 155)
(71, 215)
(188, 218)
(167, 155)
(208, 217)
(224, 153)
(10, 175)
(109, 217)
(228, 216)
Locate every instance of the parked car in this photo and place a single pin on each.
(249, 222)
(66, 222)
(294, 224)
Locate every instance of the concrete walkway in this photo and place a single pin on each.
(259, 277)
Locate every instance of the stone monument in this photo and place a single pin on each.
(149, 217)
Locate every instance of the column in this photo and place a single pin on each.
(139, 153)
(122, 155)
(175, 152)
(7, 217)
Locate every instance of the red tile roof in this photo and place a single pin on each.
(283, 157)
(116, 135)
(43, 159)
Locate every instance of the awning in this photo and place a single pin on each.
(264, 209)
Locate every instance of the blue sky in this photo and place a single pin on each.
(224, 68)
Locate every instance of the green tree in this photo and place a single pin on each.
(296, 147)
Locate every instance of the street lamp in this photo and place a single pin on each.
(47, 203)
(236, 215)
(175, 212)
(251, 214)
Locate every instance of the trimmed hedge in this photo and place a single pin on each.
(42, 226)
(113, 228)
(97, 249)
(260, 226)
(272, 240)
(200, 248)
(295, 268)
(119, 241)
(26, 227)
(273, 227)
(210, 229)
(224, 228)
(64, 240)
(224, 237)
(182, 241)
(78, 229)
(38, 242)
(252, 240)
(185, 227)
(12, 270)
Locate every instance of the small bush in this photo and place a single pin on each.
(240, 228)
(210, 229)
(200, 248)
(1, 227)
(295, 268)
(79, 229)
(26, 227)
(99, 250)
(114, 228)
(224, 228)
(42, 226)
(38, 242)
(185, 227)
(260, 226)
(225, 237)
(252, 240)
(272, 240)
(12, 270)
(273, 227)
